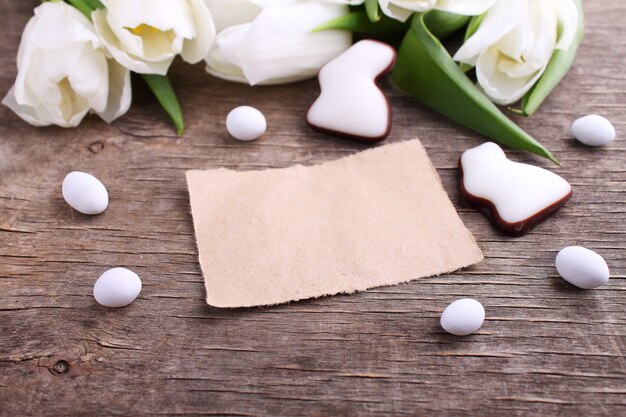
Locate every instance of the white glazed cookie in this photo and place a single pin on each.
(350, 103)
(516, 196)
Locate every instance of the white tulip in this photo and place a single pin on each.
(146, 35)
(62, 73)
(515, 42)
(271, 42)
(402, 9)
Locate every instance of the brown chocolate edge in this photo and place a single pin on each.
(513, 229)
(365, 139)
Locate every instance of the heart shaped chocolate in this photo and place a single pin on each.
(515, 196)
(351, 103)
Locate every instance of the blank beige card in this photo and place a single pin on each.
(379, 217)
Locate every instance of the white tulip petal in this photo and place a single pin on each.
(145, 42)
(223, 59)
(27, 113)
(124, 14)
(23, 93)
(500, 20)
(127, 60)
(62, 73)
(23, 51)
(402, 10)
(196, 49)
(465, 7)
(348, 2)
(517, 41)
(68, 115)
(51, 31)
(514, 44)
(269, 3)
(89, 77)
(160, 46)
(501, 88)
(281, 46)
(228, 54)
(414, 5)
(164, 15)
(227, 13)
(146, 35)
(567, 15)
(230, 75)
(517, 69)
(121, 37)
(42, 88)
(72, 108)
(544, 35)
(120, 92)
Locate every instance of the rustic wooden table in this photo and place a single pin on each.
(546, 348)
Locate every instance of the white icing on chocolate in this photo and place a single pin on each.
(517, 191)
(350, 103)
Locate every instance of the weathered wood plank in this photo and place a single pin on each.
(545, 349)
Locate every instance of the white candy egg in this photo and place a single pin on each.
(245, 123)
(117, 287)
(582, 267)
(463, 316)
(593, 130)
(85, 193)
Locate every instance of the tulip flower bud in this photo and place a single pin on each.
(145, 37)
(64, 73)
(274, 43)
(515, 42)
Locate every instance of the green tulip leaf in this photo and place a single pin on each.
(372, 10)
(443, 24)
(359, 22)
(83, 6)
(94, 4)
(559, 65)
(426, 71)
(164, 92)
(473, 25)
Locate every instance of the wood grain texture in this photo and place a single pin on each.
(546, 348)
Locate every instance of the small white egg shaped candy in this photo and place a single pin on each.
(593, 130)
(85, 193)
(463, 316)
(582, 267)
(117, 287)
(245, 123)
